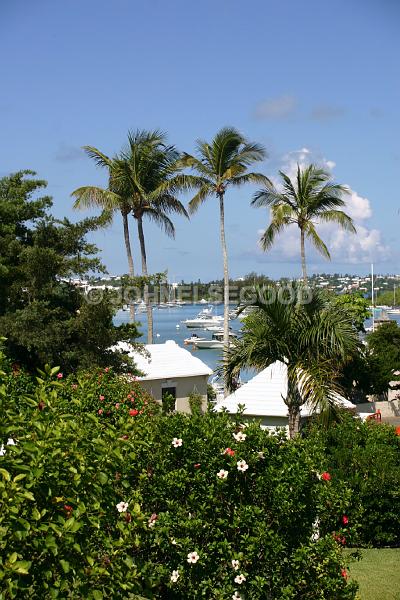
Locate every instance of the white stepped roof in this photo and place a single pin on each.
(263, 395)
(165, 361)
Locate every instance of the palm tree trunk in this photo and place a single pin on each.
(146, 287)
(130, 260)
(294, 421)
(226, 276)
(303, 255)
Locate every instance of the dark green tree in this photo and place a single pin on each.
(384, 358)
(43, 315)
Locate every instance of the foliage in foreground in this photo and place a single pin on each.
(171, 507)
(367, 457)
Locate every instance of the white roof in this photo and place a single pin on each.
(263, 395)
(165, 361)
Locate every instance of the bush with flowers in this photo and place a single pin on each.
(107, 393)
(167, 507)
(366, 457)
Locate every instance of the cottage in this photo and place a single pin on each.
(170, 369)
(263, 396)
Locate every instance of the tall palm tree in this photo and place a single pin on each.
(311, 199)
(150, 173)
(220, 164)
(112, 199)
(313, 340)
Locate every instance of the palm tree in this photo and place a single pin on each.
(218, 165)
(112, 199)
(311, 199)
(150, 173)
(313, 340)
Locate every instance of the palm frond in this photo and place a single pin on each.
(317, 242)
(339, 217)
(281, 216)
(168, 203)
(162, 220)
(95, 197)
(206, 190)
(249, 178)
(101, 160)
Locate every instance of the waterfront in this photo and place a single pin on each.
(166, 321)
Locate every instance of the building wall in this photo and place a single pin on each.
(184, 387)
(388, 409)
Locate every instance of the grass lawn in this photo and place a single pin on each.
(378, 574)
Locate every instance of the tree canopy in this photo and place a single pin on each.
(45, 318)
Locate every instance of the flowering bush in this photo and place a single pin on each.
(167, 507)
(366, 457)
(107, 393)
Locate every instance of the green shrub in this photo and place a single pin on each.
(62, 535)
(366, 457)
(107, 393)
(196, 403)
(168, 403)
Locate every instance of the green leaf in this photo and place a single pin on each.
(19, 477)
(12, 558)
(22, 567)
(97, 595)
(29, 495)
(36, 514)
(5, 474)
(65, 565)
(102, 477)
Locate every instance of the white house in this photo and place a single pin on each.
(168, 368)
(263, 397)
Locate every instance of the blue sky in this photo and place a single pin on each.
(310, 80)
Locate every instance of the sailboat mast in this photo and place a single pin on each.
(372, 297)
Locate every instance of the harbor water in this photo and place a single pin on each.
(168, 326)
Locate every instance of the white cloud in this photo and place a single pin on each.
(363, 247)
(276, 108)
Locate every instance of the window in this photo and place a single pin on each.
(171, 391)
(168, 399)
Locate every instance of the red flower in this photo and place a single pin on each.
(101, 398)
(100, 411)
(345, 520)
(106, 370)
(229, 452)
(67, 508)
(397, 430)
(133, 412)
(344, 573)
(197, 466)
(326, 476)
(59, 376)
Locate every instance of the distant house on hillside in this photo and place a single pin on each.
(263, 397)
(170, 369)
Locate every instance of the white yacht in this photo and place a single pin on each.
(204, 319)
(193, 339)
(217, 341)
